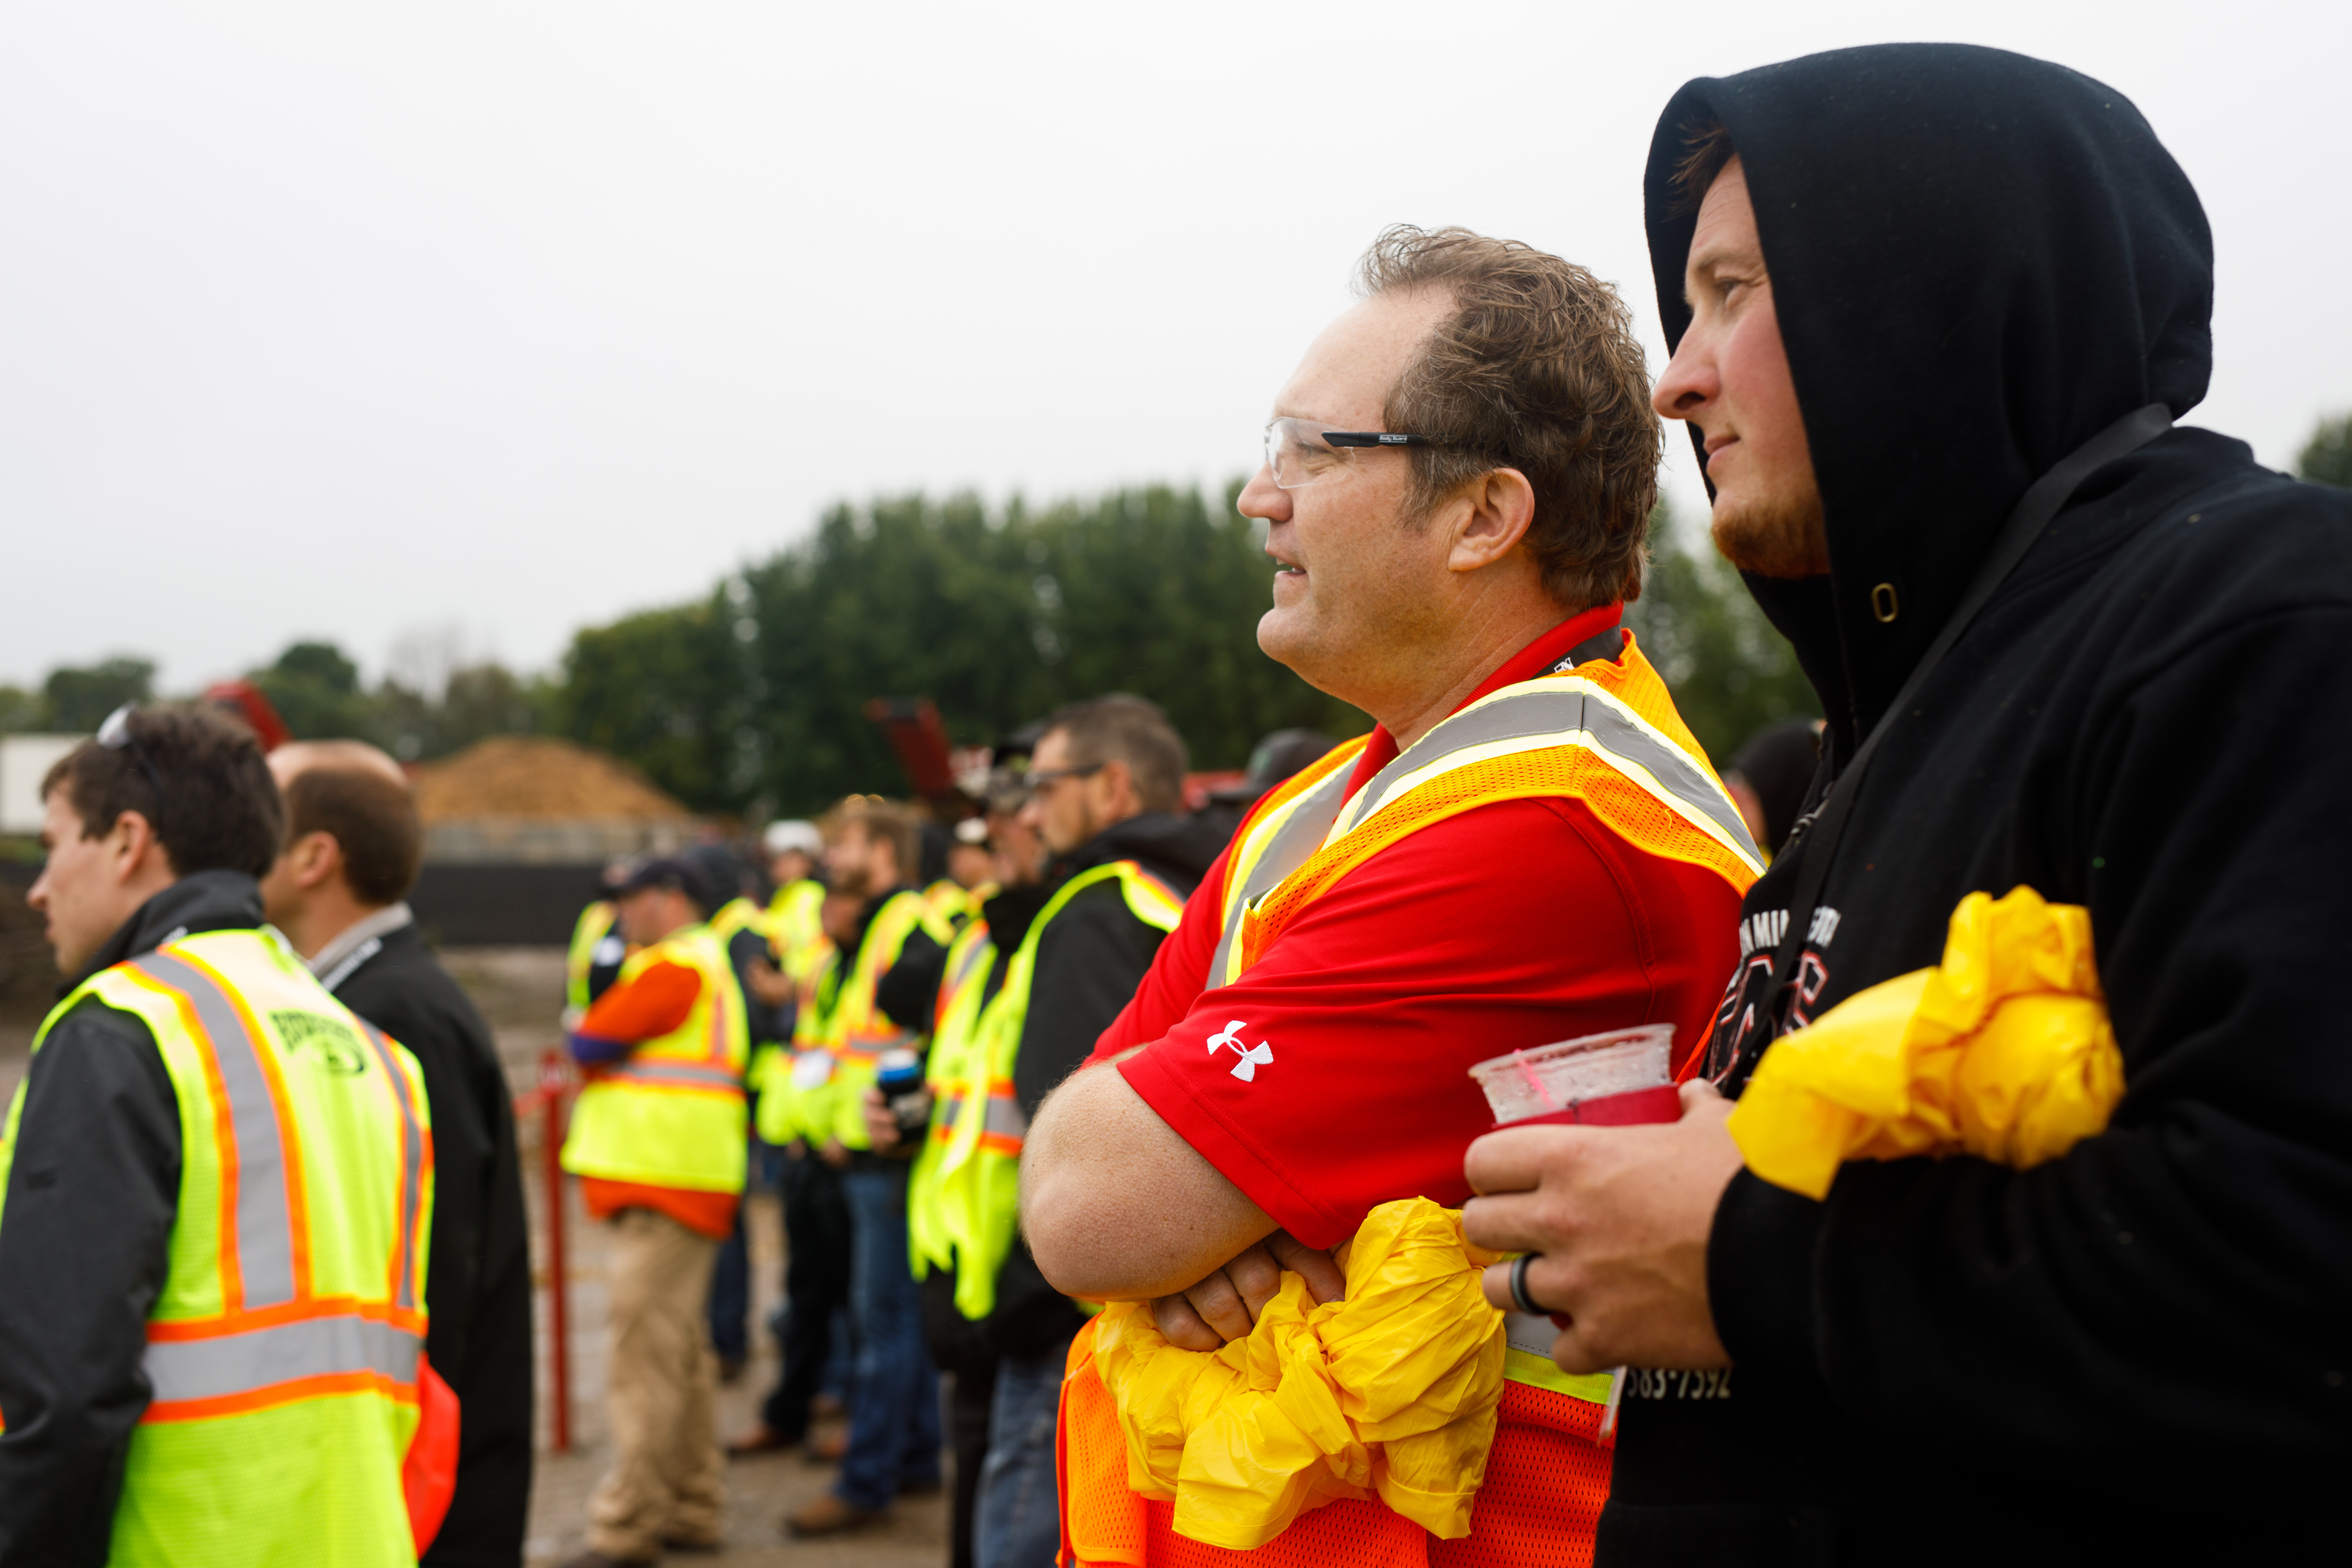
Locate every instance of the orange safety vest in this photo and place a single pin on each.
(1605, 734)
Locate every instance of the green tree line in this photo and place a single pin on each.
(751, 697)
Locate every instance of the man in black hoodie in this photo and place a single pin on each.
(1935, 308)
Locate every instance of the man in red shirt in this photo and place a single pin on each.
(1528, 848)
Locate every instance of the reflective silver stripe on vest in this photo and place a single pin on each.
(261, 1358)
(1565, 714)
(263, 1214)
(1294, 841)
(412, 1156)
(685, 1075)
(1005, 1118)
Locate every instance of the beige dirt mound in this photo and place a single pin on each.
(537, 776)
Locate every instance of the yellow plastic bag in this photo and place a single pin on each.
(1391, 1393)
(2002, 1051)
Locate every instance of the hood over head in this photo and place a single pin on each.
(1978, 261)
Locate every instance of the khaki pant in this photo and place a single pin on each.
(665, 1483)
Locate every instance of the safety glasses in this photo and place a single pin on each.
(1303, 452)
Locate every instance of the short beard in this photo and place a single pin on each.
(1781, 536)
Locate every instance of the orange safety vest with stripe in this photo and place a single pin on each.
(1606, 734)
(968, 1174)
(673, 1113)
(285, 1352)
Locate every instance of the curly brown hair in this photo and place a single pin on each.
(1536, 369)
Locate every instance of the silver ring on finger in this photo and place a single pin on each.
(1520, 1296)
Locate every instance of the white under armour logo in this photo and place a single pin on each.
(1251, 1057)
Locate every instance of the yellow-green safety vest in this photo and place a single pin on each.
(795, 927)
(976, 1191)
(838, 1035)
(672, 1114)
(594, 924)
(955, 1037)
(950, 903)
(283, 1351)
(734, 915)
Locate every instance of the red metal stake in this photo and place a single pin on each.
(552, 1078)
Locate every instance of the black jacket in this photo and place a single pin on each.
(85, 1241)
(477, 1272)
(2139, 1350)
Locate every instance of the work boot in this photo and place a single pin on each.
(598, 1560)
(826, 1448)
(761, 1439)
(830, 1515)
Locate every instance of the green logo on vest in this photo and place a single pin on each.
(327, 1040)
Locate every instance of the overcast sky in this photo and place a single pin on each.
(458, 326)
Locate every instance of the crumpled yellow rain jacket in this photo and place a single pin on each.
(2003, 1050)
(1390, 1393)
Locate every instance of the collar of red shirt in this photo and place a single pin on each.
(1525, 665)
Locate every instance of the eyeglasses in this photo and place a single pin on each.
(1302, 452)
(115, 735)
(1036, 776)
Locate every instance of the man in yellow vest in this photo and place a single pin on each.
(593, 956)
(218, 1200)
(1529, 847)
(658, 1140)
(1022, 1004)
(794, 927)
(876, 998)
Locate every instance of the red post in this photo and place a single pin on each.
(553, 1077)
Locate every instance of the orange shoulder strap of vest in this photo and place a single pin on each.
(1568, 770)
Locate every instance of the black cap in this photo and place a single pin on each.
(676, 872)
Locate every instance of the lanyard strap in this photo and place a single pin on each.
(1815, 836)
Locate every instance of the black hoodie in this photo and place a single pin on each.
(2140, 1350)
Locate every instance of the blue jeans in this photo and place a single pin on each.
(894, 1395)
(730, 1296)
(1020, 1521)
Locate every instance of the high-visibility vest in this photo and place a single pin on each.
(284, 1352)
(964, 1199)
(948, 902)
(955, 1035)
(594, 924)
(1604, 733)
(980, 1159)
(734, 915)
(795, 928)
(839, 1036)
(672, 1114)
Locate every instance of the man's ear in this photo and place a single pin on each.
(1118, 781)
(315, 858)
(1492, 516)
(134, 851)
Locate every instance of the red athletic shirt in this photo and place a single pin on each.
(1516, 924)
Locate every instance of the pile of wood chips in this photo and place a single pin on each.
(538, 776)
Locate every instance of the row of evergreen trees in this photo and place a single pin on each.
(750, 699)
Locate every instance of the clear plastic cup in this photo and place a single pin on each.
(1613, 1079)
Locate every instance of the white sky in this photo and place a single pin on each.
(457, 326)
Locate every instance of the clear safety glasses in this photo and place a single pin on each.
(1302, 452)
